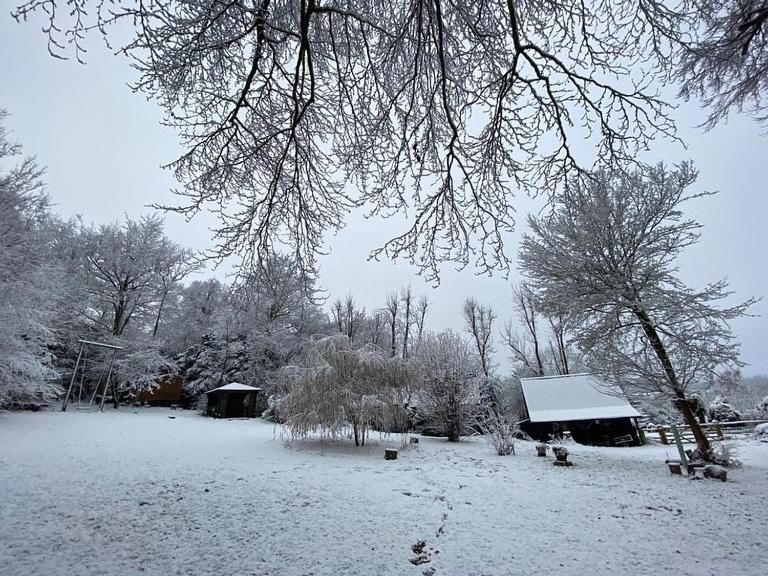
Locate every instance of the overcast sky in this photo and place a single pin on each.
(104, 147)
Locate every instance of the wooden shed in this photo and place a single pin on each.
(166, 393)
(234, 400)
(590, 410)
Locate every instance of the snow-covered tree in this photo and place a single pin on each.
(450, 384)
(248, 331)
(478, 322)
(27, 292)
(338, 386)
(726, 63)
(121, 263)
(427, 106)
(608, 251)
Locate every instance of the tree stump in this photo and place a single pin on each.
(674, 467)
(561, 456)
(541, 450)
(390, 454)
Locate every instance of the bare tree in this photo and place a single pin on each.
(337, 313)
(526, 348)
(173, 265)
(421, 316)
(347, 316)
(406, 295)
(726, 63)
(280, 103)
(393, 315)
(478, 321)
(609, 249)
(560, 326)
(377, 324)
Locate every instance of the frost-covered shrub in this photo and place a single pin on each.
(724, 454)
(500, 430)
(721, 410)
(272, 414)
(721, 453)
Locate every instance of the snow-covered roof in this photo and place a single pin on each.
(236, 386)
(574, 397)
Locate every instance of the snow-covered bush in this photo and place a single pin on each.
(338, 386)
(450, 386)
(721, 410)
(500, 430)
(761, 432)
(721, 453)
(271, 413)
(724, 454)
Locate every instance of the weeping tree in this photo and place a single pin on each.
(338, 386)
(609, 249)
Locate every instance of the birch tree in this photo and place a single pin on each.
(609, 249)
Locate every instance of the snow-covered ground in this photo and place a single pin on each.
(132, 492)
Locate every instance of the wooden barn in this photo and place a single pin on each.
(591, 411)
(233, 400)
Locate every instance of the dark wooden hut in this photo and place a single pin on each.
(232, 401)
(591, 411)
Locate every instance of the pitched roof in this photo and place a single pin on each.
(574, 397)
(235, 386)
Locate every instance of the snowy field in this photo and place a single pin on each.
(132, 492)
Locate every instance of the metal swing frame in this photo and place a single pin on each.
(83, 344)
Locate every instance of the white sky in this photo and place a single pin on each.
(103, 146)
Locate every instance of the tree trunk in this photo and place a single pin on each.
(684, 407)
(681, 402)
(159, 312)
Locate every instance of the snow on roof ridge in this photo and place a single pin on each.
(553, 376)
(235, 386)
(582, 397)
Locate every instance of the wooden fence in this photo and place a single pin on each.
(713, 430)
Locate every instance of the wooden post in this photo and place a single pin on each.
(72, 380)
(683, 457)
(663, 436)
(106, 384)
(640, 432)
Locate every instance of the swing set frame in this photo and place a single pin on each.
(83, 344)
